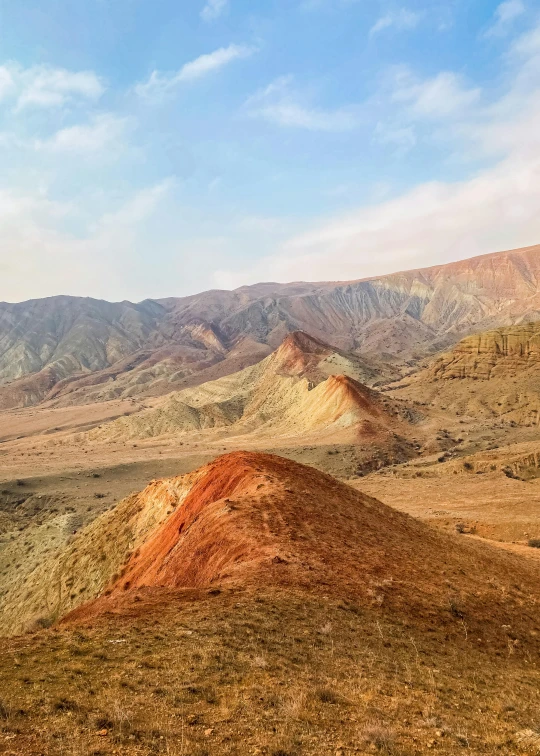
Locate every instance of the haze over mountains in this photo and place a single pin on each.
(73, 350)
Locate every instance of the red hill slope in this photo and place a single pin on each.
(304, 387)
(254, 520)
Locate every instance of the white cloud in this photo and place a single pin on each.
(505, 15)
(402, 138)
(44, 259)
(497, 208)
(214, 9)
(160, 84)
(401, 20)
(279, 104)
(45, 87)
(7, 84)
(135, 209)
(438, 97)
(101, 133)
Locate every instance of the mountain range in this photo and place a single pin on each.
(69, 350)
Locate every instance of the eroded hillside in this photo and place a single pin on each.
(71, 350)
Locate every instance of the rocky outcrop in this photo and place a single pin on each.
(503, 351)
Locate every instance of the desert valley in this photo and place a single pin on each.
(286, 519)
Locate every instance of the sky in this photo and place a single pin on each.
(153, 149)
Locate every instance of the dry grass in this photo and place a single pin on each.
(187, 680)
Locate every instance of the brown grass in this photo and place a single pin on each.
(186, 678)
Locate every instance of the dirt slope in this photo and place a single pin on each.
(251, 519)
(259, 606)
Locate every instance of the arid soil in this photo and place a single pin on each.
(270, 609)
(179, 591)
(273, 673)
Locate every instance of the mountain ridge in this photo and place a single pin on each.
(400, 316)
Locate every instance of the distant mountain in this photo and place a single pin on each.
(304, 387)
(72, 350)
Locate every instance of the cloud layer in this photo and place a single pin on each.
(267, 158)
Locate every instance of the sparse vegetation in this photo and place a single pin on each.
(358, 688)
(284, 673)
(379, 735)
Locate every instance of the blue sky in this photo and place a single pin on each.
(159, 149)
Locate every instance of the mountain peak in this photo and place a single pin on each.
(299, 352)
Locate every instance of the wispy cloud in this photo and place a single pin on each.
(7, 83)
(214, 9)
(101, 133)
(505, 15)
(437, 97)
(401, 20)
(279, 104)
(47, 87)
(401, 137)
(159, 84)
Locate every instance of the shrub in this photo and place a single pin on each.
(325, 695)
(42, 623)
(380, 736)
(5, 710)
(534, 543)
(65, 704)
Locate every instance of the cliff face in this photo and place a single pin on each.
(491, 377)
(154, 347)
(503, 351)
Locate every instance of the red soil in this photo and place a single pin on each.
(299, 353)
(255, 520)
